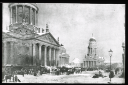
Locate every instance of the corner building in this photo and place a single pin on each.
(24, 44)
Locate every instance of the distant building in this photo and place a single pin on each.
(76, 62)
(92, 59)
(63, 57)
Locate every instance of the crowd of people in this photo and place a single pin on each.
(11, 74)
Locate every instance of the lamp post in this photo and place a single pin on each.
(123, 46)
(110, 54)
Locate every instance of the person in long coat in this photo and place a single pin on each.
(111, 75)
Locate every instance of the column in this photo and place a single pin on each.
(95, 63)
(45, 54)
(16, 13)
(31, 15)
(87, 63)
(95, 50)
(54, 57)
(60, 60)
(11, 15)
(90, 50)
(40, 54)
(23, 12)
(50, 56)
(12, 52)
(35, 17)
(34, 54)
(5, 53)
(57, 57)
(84, 64)
(63, 60)
(92, 63)
(30, 53)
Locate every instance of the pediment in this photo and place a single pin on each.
(5, 35)
(17, 35)
(48, 38)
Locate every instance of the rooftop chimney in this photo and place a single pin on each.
(42, 30)
(47, 29)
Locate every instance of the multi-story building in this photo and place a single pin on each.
(92, 59)
(24, 43)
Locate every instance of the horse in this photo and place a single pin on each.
(77, 70)
(8, 77)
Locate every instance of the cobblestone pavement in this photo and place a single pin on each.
(85, 77)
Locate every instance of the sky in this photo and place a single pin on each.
(75, 23)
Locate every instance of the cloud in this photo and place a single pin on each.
(75, 23)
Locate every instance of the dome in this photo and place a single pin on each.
(63, 50)
(92, 39)
(28, 4)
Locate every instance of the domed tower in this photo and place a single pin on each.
(23, 14)
(92, 47)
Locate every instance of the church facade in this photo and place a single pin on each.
(24, 44)
(92, 60)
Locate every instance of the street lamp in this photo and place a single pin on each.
(110, 54)
(123, 58)
(123, 46)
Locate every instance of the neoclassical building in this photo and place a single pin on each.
(24, 44)
(92, 59)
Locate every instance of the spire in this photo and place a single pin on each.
(46, 26)
(92, 34)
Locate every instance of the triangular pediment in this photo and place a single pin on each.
(5, 35)
(19, 33)
(48, 38)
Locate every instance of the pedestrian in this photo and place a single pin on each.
(16, 78)
(111, 75)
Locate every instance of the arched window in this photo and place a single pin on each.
(13, 14)
(26, 14)
(33, 16)
(20, 14)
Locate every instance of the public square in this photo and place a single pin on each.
(84, 77)
(63, 43)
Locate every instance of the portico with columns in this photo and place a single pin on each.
(92, 59)
(22, 45)
(32, 53)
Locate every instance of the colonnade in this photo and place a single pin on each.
(32, 11)
(91, 50)
(89, 63)
(39, 54)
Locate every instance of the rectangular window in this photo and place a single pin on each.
(27, 13)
